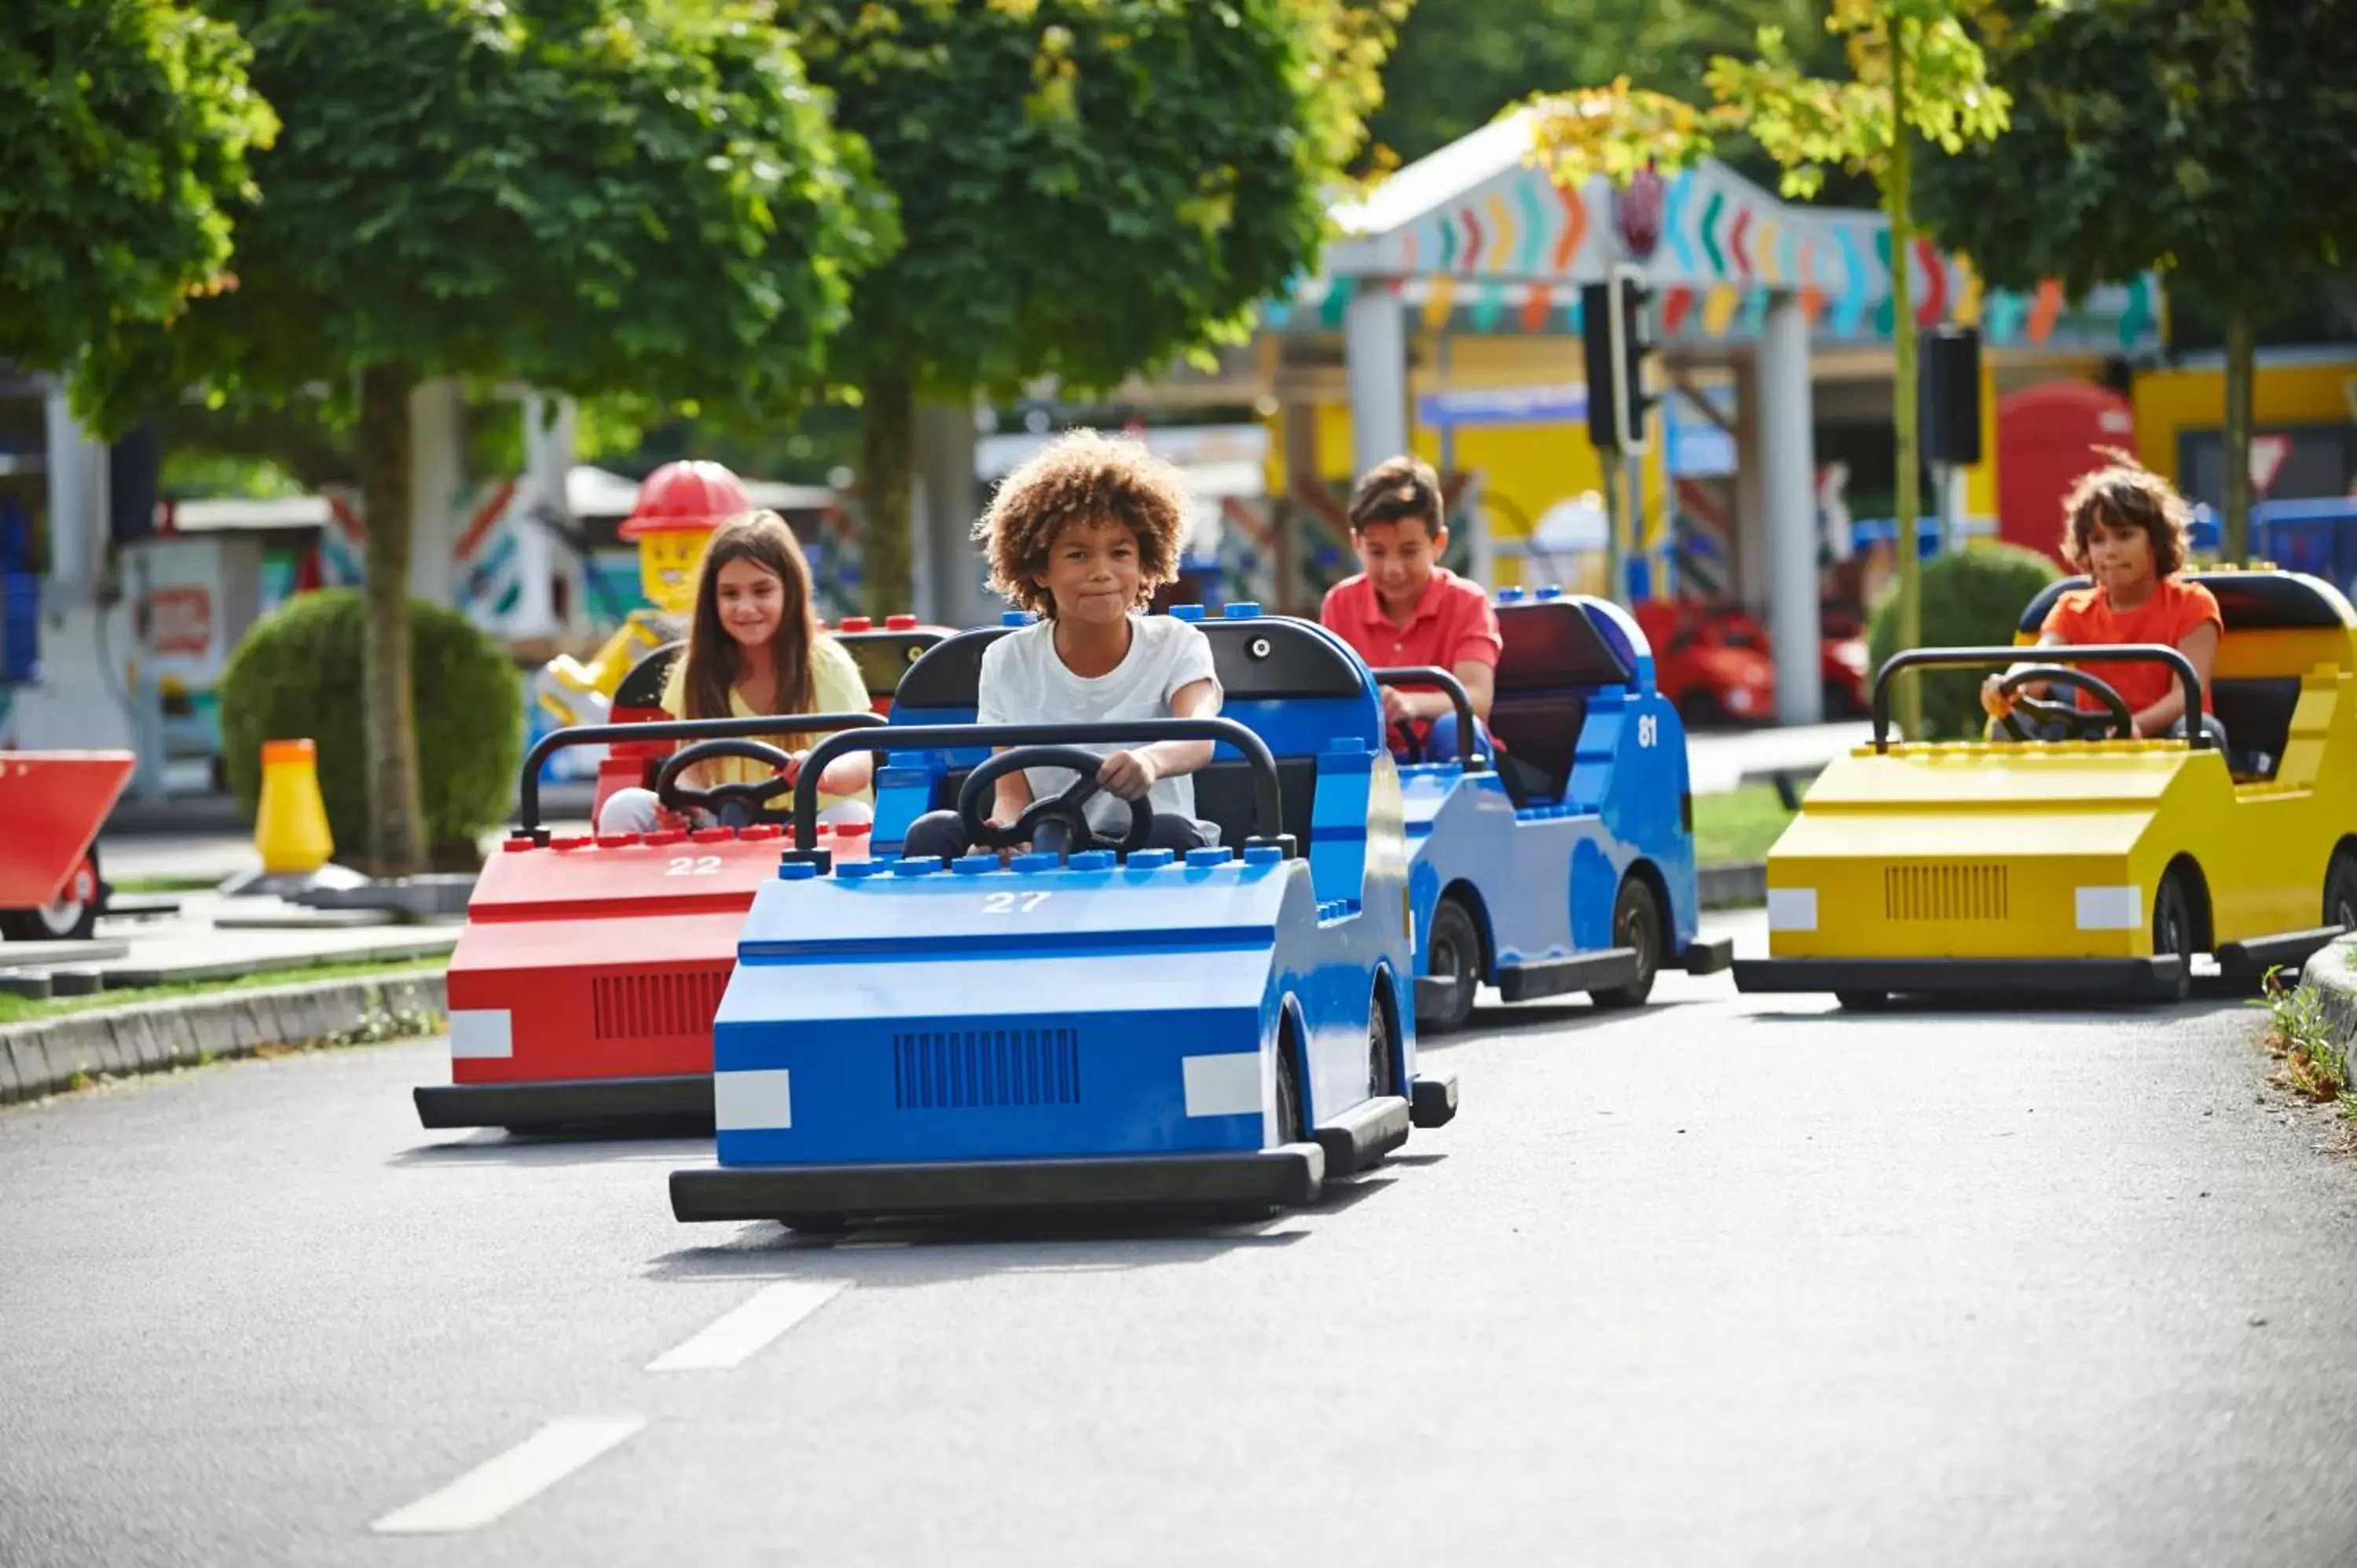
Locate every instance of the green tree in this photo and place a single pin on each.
(1088, 188)
(1459, 62)
(1916, 70)
(588, 195)
(127, 127)
(2211, 139)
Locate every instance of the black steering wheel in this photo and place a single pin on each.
(1066, 808)
(2078, 723)
(731, 805)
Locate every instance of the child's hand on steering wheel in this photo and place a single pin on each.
(1995, 702)
(1127, 775)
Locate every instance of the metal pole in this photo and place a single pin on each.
(1632, 474)
(1612, 515)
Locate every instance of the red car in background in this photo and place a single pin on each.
(1714, 661)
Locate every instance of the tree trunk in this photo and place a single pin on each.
(886, 451)
(1897, 203)
(396, 806)
(2242, 354)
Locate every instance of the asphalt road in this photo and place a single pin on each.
(1733, 1280)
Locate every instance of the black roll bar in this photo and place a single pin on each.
(2054, 653)
(554, 741)
(1267, 818)
(1432, 675)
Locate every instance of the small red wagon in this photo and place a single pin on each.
(53, 804)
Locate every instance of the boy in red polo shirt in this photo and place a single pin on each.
(1405, 608)
(2126, 529)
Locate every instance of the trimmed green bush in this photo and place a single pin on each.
(297, 673)
(1973, 598)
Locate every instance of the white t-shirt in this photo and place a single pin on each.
(1025, 683)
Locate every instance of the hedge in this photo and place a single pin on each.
(296, 673)
(1972, 598)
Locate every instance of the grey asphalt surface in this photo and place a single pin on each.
(1731, 1280)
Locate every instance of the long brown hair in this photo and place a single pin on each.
(2126, 494)
(714, 663)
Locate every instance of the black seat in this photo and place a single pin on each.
(947, 675)
(2257, 716)
(1554, 660)
(885, 657)
(643, 686)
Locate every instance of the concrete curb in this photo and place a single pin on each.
(2332, 976)
(1735, 884)
(45, 1055)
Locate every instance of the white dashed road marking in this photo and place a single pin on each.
(775, 1309)
(516, 1476)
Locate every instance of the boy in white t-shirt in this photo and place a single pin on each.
(1083, 534)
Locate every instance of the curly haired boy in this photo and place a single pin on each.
(1083, 534)
(2126, 528)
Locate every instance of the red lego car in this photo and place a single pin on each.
(1710, 660)
(582, 990)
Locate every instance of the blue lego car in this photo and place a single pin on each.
(1225, 1031)
(1570, 866)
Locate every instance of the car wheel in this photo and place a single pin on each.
(1862, 1001)
(1290, 1126)
(71, 917)
(1380, 1046)
(1636, 923)
(1453, 953)
(2340, 889)
(2172, 924)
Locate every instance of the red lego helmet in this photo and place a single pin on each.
(686, 496)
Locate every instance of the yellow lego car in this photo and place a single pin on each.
(2088, 867)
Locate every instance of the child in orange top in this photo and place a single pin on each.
(2126, 528)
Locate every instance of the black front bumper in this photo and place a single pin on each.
(1992, 980)
(1707, 955)
(1287, 1177)
(610, 1105)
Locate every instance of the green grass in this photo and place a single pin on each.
(24, 1009)
(147, 885)
(1737, 826)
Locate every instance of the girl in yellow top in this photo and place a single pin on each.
(754, 648)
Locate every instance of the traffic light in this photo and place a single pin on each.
(1614, 327)
(1949, 394)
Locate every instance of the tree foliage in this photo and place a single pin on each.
(2212, 139)
(1087, 188)
(643, 196)
(1459, 62)
(128, 127)
(1916, 70)
(587, 194)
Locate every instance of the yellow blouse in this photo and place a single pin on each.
(836, 686)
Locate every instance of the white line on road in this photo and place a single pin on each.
(523, 1472)
(768, 1314)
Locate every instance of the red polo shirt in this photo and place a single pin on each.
(1453, 623)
